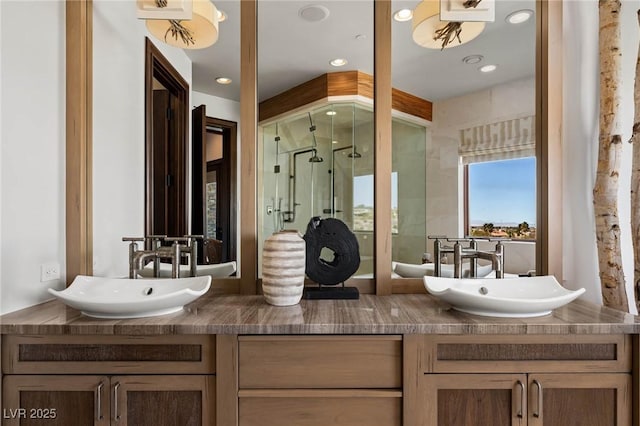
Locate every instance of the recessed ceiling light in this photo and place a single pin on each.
(334, 141)
(338, 62)
(519, 16)
(314, 13)
(403, 15)
(488, 68)
(223, 80)
(221, 16)
(472, 59)
(331, 113)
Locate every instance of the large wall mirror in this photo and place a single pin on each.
(470, 171)
(315, 119)
(209, 191)
(434, 205)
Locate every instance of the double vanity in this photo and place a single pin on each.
(381, 360)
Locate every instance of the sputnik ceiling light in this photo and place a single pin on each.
(460, 21)
(198, 31)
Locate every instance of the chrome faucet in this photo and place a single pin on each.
(496, 257)
(471, 252)
(139, 258)
(182, 246)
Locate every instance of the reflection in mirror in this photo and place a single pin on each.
(325, 172)
(315, 129)
(119, 120)
(483, 94)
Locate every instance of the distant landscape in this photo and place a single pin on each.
(521, 231)
(363, 221)
(363, 218)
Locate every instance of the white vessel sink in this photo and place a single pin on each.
(216, 270)
(510, 297)
(126, 298)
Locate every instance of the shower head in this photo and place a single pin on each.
(314, 158)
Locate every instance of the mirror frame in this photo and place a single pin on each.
(79, 232)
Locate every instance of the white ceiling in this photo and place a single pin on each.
(292, 50)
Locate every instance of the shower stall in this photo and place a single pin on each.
(320, 162)
(310, 162)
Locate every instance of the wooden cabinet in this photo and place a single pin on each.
(519, 380)
(597, 399)
(55, 400)
(102, 400)
(112, 380)
(320, 380)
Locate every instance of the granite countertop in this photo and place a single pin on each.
(395, 314)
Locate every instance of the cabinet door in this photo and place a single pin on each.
(596, 399)
(55, 400)
(163, 400)
(473, 399)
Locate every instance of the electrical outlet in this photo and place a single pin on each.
(49, 271)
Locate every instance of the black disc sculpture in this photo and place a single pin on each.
(334, 235)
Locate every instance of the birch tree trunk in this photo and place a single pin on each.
(635, 184)
(605, 191)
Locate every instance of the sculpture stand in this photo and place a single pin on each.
(331, 292)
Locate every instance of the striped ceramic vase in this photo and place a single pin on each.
(283, 265)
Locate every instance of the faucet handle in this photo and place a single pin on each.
(133, 239)
(177, 239)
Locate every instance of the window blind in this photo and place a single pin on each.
(500, 140)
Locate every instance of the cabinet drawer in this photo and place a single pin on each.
(513, 354)
(320, 362)
(320, 408)
(108, 354)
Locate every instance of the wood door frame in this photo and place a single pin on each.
(159, 67)
(79, 139)
(230, 175)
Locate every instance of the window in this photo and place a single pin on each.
(501, 199)
(363, 203)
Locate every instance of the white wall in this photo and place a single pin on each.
(32, 154)
(118, 129)
(224, 109)
(580, 142)
(1, 144)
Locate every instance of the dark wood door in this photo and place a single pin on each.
(56, 400)
(198, 175)
(595, 399)
(163, 400)
(167, 184)
(223, 232)
(166, 136)
(474, 399)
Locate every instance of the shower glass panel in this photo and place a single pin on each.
(409, 191)
(311, 162)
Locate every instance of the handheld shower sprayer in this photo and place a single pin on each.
(314, 152)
